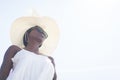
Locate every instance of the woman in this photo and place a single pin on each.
(28, 62)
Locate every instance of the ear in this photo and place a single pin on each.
(26, 37)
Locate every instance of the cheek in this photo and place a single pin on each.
(37, 38)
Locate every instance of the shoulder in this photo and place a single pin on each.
(49, 57)
(52, 60)
(12, 50)
(14, 47)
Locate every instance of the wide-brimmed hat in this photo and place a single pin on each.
(22, 24)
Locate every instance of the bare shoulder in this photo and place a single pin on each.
(14, 47)
(12, 50)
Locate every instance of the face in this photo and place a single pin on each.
(36, 35)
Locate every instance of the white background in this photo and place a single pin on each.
(89, 46)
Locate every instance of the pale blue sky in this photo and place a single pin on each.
(89, 46)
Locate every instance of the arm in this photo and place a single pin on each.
(52, 60)
(7, 62)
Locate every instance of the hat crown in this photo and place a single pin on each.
(32, 12)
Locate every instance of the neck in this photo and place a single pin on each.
(32, 47)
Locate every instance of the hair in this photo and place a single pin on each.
(38, 28)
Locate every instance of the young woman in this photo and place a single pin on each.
(28, 63)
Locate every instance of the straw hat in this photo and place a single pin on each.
(22, 24)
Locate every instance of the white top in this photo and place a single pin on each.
(30, 66)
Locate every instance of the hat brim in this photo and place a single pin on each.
(22, 24)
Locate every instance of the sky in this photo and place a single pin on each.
(89, 45)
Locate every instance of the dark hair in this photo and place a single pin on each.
(39, 29)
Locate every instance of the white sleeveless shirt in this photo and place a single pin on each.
(30, 66)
